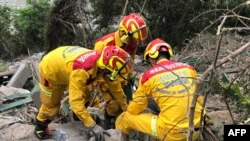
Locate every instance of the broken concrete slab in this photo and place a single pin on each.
(7, 106)
(21, 101)
(7, 91)
(10, 93)
(20, 77)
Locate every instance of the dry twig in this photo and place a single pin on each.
(219, 33)
(144, 3)
(226, 59)
(79, 6)
(125, 8)
(203, 77)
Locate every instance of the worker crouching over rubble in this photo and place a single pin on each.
(78, 69)
(131, 32)
(172, 86)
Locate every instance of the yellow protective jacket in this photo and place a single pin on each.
(114, 39)
(76, 67)
(171, 85)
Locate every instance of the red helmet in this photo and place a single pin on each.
(134, 25)
(154, 46)
(116, 60)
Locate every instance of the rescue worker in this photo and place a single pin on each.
(172, 86)
(132, 30)
(78, 69)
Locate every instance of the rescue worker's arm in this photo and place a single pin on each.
(103, 41)
(99, 45)
(140, 100)
(115, 88)
(77, 97)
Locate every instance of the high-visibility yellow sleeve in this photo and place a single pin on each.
(139, 102)
(99, 45)
(77, 96)
(116, 90)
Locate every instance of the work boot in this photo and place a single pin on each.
(42, 131)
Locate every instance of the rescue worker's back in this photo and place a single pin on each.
(62, 64)
(172, 86)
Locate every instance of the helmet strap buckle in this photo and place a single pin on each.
(113, 75)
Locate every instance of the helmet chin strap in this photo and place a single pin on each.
(118, 72)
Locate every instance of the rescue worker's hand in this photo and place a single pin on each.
(208, 120)
(96, 129)
(124, 106)
(98, 132)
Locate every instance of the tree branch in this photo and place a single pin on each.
(220, 26)
(226, 59)
(203, 77)
(125, 8)
(79, 6)
(143, 6)
(236, 28)
(65, 23)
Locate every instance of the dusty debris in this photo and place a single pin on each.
(10, 94)
(19, 132)
(7, 91)
(71, 131)
(14, 100)
(8, 120)
(221, 118)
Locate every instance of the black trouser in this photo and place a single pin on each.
(128, 89)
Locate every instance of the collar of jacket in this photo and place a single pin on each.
(162, 60)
